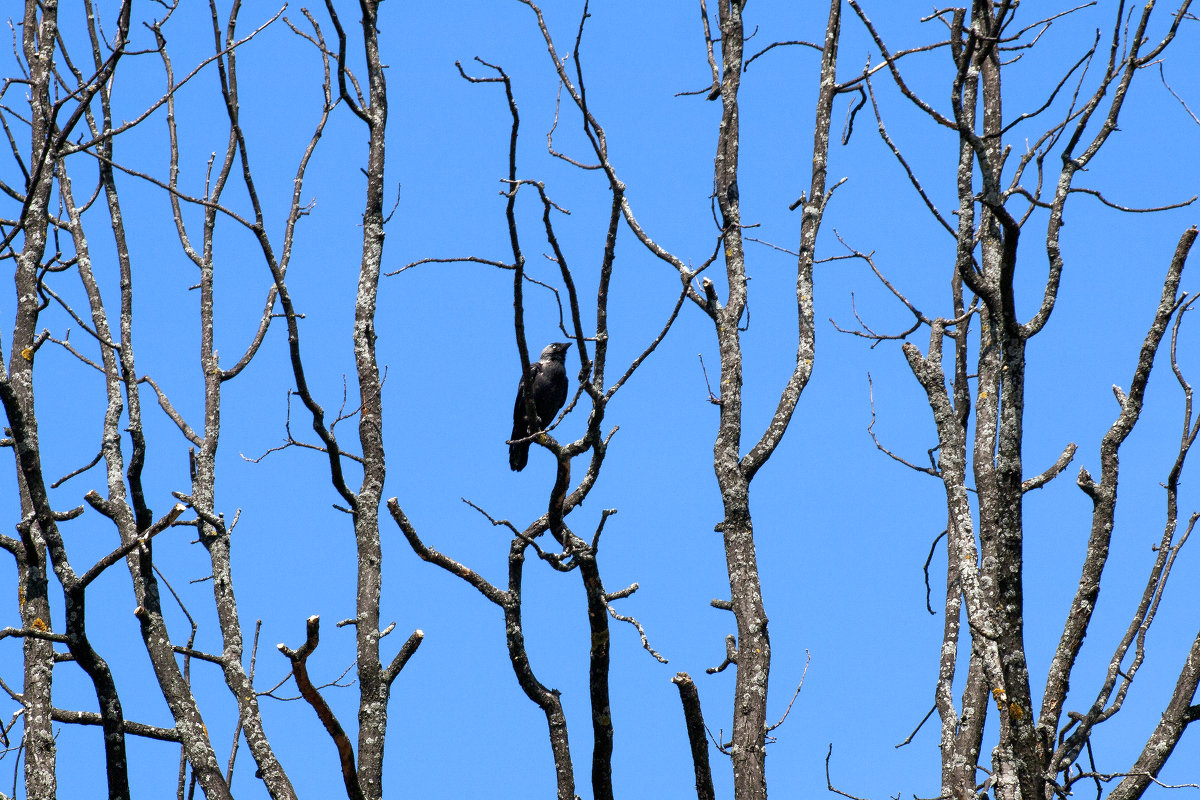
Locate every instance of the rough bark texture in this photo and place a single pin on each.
(734, 473)
(38, 33)
(1033, 756)
(977, 405)
(374, 685)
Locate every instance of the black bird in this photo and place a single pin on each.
(546, 381)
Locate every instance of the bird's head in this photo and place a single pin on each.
(556, 351)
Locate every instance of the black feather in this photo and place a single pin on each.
(546, 381)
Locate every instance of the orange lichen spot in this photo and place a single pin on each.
(38, 624)
(27, 354)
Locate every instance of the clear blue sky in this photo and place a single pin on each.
(842, 531)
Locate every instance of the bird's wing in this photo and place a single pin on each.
(520, 428)
(547, 386)
(559, 391)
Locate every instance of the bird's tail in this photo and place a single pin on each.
(518, 456)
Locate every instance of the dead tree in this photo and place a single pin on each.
(734, 471)
(575, 552)
(75, 135)
(68, 134)
(1001, 188)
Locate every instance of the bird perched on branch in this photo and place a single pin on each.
(546, 383)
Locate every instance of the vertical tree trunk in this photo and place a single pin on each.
(753, 643)
(374, 686)
(38, 38)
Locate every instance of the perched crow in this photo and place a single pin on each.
(546, 380)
